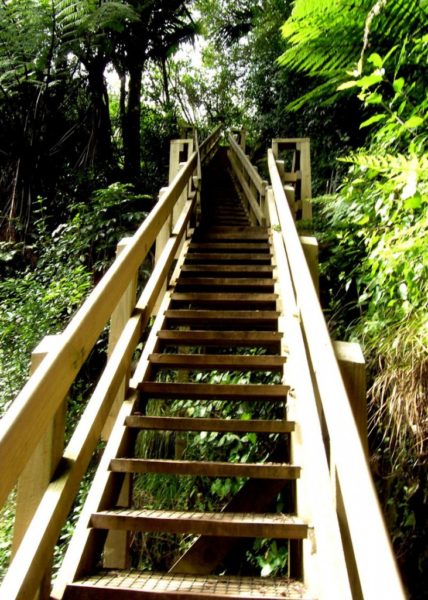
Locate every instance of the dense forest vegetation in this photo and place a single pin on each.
(82, 160)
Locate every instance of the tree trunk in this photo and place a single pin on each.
(100, 144)
(131, 133)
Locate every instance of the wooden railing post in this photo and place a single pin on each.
(310, 248)
(353, 369)
(296, 182)
(116, 551)
(38, 473)
(118, 320)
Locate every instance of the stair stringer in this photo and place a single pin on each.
(324, 566)
(86, 542)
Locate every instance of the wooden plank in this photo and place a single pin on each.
(233, 318)
(249, 168)
(324, 567)
(225, 282)
(219, 361)
(210, 235)
(310, 248)
(205, 468)
(374, 554)
(207, 246)
(236, 270)
(228, 257)
(236, 299)
(264, 525)
(268, 339)
(118, 320)
(82, 551)
(205, 391)
(249, 192)
(30, 414)
(133, 585)
(203, 424)
(353, 369)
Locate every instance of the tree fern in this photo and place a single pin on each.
(326, 38)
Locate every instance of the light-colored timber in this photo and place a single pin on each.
(154, 586)
(220, 362)
(230, 257)
(278, 526)
(206, 391)
(229, 312)
(225, 283)
(214, 424)
(258, 319)
(265, 339)
(207, 468)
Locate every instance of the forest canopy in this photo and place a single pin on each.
(82, 161)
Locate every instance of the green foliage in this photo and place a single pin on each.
(377, 227)
(325, 38)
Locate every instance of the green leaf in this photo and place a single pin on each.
(347, 84)
(414, 121)
(376, 60)
(398, 84)
(412, 203)
(373, 119)
(374, 98)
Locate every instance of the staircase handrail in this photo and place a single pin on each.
(249, 179)
(29, 416)
(377, 569)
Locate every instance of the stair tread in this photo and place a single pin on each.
(228, 524)
(237, 338)
(239, 315)
(225, 281)
(224, 297)
(211, 234)
(130, 585)
(207, 424)
(208, 468)
(214, 391)
(230, 247)
(226, 257)
(218, 361)
(256, 270)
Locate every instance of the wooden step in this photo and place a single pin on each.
(133, 585)
(222, 362)
(256, 319)
(242, 230)
(255, 300)
(227, 270)
(265, 525)
(205, 468)
(208, 391)
(211, 235)
(232, 235)
(264, 339)
(215, 424)
(229, 247)
(226, 283)
(227, 257)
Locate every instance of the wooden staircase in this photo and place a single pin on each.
(219, 317)
(225, 346)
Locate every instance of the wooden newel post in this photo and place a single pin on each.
(116, 549)
(310, 248)
(38, 473)
(118, 320)
(353, 369)
(297, 180)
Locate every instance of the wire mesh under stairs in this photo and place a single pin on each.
(211, 368)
